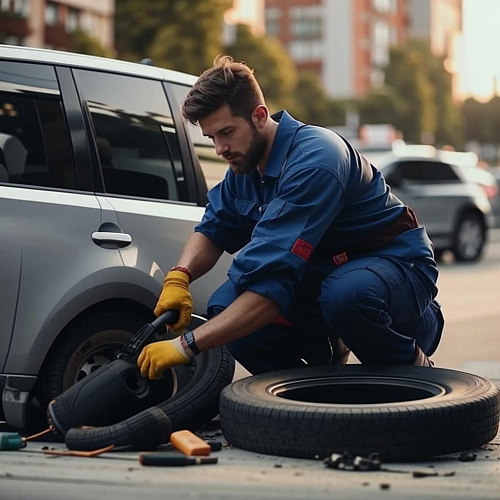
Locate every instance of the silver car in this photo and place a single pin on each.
(453, 207)
(101, 184)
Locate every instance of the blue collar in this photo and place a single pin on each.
(287, 128)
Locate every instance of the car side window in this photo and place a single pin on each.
(35, 147)
(213, 167)
(136, 138)
(426, 172)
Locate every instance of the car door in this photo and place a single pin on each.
(147, 176)
(431, 188)
(47, 219)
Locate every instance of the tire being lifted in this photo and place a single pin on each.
(116, 405)
(401, 412)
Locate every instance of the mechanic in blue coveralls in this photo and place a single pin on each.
(329, 261)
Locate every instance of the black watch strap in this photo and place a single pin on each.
(187, 340)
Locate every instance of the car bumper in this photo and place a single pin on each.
(15, 391)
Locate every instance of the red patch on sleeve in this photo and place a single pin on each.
(340, 258)
(302, 249)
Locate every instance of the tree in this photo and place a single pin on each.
(273, 67)
(136, 25)
(312, 101)
(407, 75)
(449, 125)
(83, 43)
(381, 106)
(179, 34)
(482, 120)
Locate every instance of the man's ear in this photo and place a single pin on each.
(260, 116)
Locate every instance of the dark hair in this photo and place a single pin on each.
(228, 82)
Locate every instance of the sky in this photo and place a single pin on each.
(480, 50)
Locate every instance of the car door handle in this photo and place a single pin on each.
(109, 239)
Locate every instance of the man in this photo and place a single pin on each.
(329, 259)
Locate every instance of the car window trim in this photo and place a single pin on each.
(195, 180)
(76, 127)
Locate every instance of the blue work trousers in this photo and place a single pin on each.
(382, 308)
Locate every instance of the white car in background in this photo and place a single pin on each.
(452, 205)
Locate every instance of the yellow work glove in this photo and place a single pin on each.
(157, 357)
(176, 295)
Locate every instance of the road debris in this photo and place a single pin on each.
(346, 461)
(467, 457)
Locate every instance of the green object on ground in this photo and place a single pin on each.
(11, 441)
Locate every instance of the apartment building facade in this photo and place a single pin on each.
(49, 24)
(347, 42)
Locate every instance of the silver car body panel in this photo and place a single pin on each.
(65, 251)
(44, 241)
(29, 54)
(167, 226)
(439, 205)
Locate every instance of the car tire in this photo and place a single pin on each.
(401, 412)
(192, 407)
(192, 398)
(469, 238)
(90, 342)
(84, 346)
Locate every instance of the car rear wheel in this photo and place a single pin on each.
(469, 238)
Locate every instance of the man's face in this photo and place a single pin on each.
(239, 142)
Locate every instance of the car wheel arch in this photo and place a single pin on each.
(62, 337)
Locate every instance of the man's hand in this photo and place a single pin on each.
(157, 357)
(176, 295)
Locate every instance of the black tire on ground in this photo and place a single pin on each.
(192, 407)
(469, 237)
(198, 401)
(401, 412)
(194, 390)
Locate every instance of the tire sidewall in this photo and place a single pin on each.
(457, 251)
(456, 411)
(97, 331)
(443, 385)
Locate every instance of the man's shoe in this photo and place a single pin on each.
(421, 359)
(340, 352)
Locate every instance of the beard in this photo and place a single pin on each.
(244, 163)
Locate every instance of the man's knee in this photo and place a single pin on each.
(352, 306)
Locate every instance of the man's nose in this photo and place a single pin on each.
(220, 147)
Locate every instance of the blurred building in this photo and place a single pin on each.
(249, 12)
(439, 21)
(347, 42)
(48, 24)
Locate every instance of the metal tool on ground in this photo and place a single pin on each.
(171, 460)
(160, 459)
(189, 444)
(75, 453)
(346, 461)
(14, 441)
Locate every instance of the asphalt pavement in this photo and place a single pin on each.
(470, 345)
(28, 474)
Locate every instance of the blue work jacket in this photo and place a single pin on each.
(317, 197)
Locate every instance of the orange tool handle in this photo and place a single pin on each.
(189, 443)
